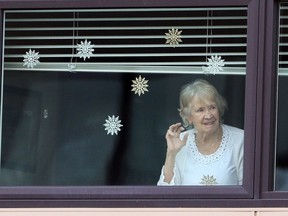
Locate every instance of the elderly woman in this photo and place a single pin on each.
(210, 152)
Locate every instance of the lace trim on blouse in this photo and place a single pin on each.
(206, 159)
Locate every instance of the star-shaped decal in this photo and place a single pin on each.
(113, 125)
(139, 85)
(208, 180)
(173, 37)
(31, 59)
(214, 65)
(85, 49)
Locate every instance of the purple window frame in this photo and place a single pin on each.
(266, 148)
(260, 100)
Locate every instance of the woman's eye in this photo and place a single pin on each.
(200, 110)
(212, 107)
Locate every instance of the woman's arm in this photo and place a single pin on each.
(174, 145)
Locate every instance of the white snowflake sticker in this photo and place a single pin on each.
(173, 37)
(139, 85)
(113, 125)
(85, 49)
(31, 59)
(214, 65)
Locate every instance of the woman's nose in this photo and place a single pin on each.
(208, 113)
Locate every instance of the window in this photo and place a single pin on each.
(53, 115)
(63, 99)
(273, 148)
(281, 152)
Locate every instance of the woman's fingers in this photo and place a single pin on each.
(174, 131)
(169, 133)
(176, 128)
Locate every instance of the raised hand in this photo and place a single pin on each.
(174, 143)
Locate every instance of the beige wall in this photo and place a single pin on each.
(145, 212)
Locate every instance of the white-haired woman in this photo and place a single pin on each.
(210, 152)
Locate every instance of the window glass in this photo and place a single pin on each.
(281, 182)
(88, 95)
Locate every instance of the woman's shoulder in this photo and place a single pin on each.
(236, 136)
(234, 130)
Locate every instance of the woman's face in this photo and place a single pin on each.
(204, 115)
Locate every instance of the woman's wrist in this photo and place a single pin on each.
(171, 154)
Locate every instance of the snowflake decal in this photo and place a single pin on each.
(85, 49)
(214, 65)
(113, 125)
(31, 59)
(173, 37)
(139, 85)
(208, 180)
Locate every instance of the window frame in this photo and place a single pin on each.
(270, 90)
(269, 79)
(153, 196)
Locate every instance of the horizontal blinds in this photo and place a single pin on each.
(127, 40)
(283, 40)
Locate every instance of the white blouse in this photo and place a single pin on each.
(223, 167)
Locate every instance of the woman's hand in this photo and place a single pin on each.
(174, 143)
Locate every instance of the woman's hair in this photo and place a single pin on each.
(204, 91)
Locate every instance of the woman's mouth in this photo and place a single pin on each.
(209, 123)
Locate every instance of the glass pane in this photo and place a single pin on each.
(53, 132)
(282, 149)
(281, 180)
(102, 119)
